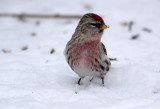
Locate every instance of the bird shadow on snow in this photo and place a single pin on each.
(69, 81)
(85, 85)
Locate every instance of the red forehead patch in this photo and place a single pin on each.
(96, 17)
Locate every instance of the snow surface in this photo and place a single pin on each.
(36, 79)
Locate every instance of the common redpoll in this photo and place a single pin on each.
(85, 53)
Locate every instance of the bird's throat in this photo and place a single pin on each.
(96, 34)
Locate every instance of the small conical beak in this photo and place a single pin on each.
(104, 27)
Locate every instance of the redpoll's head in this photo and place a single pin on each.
(91, 26)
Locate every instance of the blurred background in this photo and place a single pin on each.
(33, 70)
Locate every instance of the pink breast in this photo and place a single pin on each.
(86, 51)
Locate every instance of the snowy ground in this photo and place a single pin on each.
(36, 79)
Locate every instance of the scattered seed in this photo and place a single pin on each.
(6, 50)
(76, 92)
(113, 59)
(124, 23)
(88, 7)
(147, 30)
(46, 61)
(52, 51)
(156, 91)
(33, 34)
(135, 36)
(24, 47)
(37, 23)
(130, 24)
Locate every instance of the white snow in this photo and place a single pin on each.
(36, 79)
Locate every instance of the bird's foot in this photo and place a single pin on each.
(91, 79)
(102, 81)
(79, 81)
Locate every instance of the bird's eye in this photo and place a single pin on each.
(96, 25)
(93, 24)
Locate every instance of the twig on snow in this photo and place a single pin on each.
(44, 16)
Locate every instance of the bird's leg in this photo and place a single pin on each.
(79, 81)
(102, 81)
(91, 79)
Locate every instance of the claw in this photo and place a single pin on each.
(91, 79)
(79, 81)
(102, 81)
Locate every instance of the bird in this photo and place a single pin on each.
(84, 52)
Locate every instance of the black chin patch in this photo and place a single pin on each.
(100, 31)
